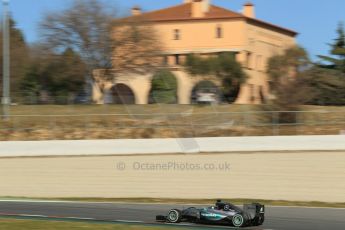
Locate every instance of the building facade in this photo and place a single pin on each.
(198, 27)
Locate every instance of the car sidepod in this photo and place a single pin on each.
(211, 216)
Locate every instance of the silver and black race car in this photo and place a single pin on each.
(222, 213)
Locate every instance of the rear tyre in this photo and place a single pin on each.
(237, 220)
(261, 220)
(174, 216)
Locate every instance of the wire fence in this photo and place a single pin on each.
(185, 124)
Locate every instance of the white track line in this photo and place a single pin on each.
(80, 218)
(129, 221)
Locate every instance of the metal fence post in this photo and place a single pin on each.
(85, 127)
(6, 100)
(275, 121)
(297, 123)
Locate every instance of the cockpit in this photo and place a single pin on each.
(224, 206)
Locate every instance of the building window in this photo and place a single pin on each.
(251, 93)
(249, 60)
(165, 60)
(262, 95)
(177, 59)
(219, 32)
(259, 63)
(177, 34)
(263, 63)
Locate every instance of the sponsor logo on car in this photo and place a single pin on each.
(212, 215)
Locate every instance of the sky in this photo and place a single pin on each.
(315, 20)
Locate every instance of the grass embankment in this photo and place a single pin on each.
(18, 224)
(190, 201)
(48, 122)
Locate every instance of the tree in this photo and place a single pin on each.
(65, 74)
(30, 86)
(164, 87)
(287, 67)
(328, 86)
(224, 66)
(327, 80)
(136, 46)
(338, 50)
(288, 82)
(85, 27)
(19, 59)
(107, 45)
(295, 81)
(59, 75)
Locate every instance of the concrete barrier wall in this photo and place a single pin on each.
(161, 146)
(298, 176)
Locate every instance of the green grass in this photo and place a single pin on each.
(21, 224)
(193, 201)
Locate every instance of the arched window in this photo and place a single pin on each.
(205, 92)
(122, 94)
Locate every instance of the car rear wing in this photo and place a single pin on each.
(254, 210)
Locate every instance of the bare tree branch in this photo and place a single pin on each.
(136, 47)
(111, 45)
(84, 27)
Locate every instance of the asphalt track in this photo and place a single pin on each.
(277, 218)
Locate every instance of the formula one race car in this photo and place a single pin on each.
(222, 213)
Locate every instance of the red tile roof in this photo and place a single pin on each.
(182, 12)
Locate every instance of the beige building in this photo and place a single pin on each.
(198, 27)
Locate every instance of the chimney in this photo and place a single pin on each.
(199, 7)
(249, 10)
(206, 6)
(136, 10)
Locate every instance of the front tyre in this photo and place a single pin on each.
(174, 216)
(237, 220)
